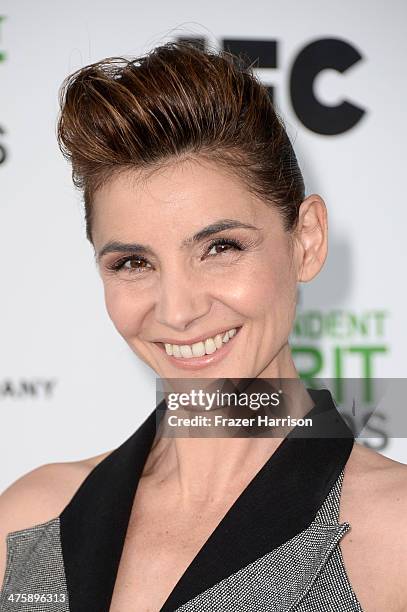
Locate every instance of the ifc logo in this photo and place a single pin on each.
(315, 57)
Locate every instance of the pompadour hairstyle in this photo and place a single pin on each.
(175, 102)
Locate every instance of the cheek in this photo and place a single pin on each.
(126, 312)
(266, 288)
(280, 298)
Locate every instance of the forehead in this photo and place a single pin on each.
(182, 196)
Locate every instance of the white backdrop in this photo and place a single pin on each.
(69, 386)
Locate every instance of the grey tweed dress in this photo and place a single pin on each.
(276, 549)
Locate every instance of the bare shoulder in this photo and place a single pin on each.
(373, 473)
(39, 496)
(42, 493)
(374, 502)
(376, 487)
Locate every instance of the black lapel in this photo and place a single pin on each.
(281, 501)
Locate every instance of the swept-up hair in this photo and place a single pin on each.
(175, 102)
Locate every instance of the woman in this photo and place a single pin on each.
(196, 209)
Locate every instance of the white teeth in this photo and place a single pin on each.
(199, 349)
(210, 346)
(186, 350)
(218, 340)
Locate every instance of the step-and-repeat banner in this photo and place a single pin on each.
(70, 387)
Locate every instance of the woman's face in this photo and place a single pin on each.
(187, 254)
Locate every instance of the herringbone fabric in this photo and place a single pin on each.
(305, 574)
(35, 578)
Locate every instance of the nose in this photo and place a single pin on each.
(182, 300)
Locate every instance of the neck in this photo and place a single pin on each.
(282, 366)
(208, 469)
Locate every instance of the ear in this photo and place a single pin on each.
(311, 237)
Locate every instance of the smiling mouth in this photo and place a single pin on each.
(201, 349)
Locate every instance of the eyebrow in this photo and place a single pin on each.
(214, 228)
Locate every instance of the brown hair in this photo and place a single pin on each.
(177, 100)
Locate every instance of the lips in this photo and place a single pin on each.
(198, 361)
(208, 346)
(201, 338)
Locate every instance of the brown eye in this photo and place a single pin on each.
(135, 263)
(219, 248)
(130, 264)
(223, 245)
